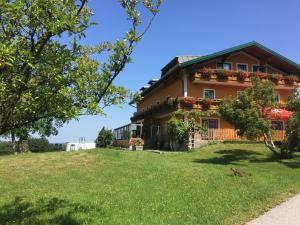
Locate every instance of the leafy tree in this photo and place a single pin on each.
(104, 138)
(292, 142)
(249, 113)
(43, 77)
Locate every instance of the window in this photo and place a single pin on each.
(224, 66)
(277, 125)
(209, 93)
(210, 123)
(256, 68)
(242, 67)
(277, 98)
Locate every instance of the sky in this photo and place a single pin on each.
(185, 27)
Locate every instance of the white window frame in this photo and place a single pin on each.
(242, 64)
(209, 89)
(223, 63)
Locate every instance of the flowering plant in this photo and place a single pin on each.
(206, 73)
(243, 75)
(188, 101)
(207, 102)
(291, 78)
(260, 74)
(275, 77)
(136, 142)
(223, 74)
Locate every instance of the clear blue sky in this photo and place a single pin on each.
(186, 27)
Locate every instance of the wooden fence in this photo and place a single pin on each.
(222, 134)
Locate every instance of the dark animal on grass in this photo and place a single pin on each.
(238, 172)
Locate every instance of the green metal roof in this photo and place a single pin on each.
(237, 48)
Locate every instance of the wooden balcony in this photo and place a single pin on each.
(172, 104)
(234, 78)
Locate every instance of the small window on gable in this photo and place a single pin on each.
(242, 67)
(209, 93)
(224, 66)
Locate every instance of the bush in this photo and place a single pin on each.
(5, 147)
(40, 145)
(104, 139)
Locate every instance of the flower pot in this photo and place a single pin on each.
(138, 148)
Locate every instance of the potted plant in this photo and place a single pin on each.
(260, 75)
(137, 144)
(291, 79)
(188, 101)
(276, 78)
(223, 74)
(206, 73)
(242, 75)
(206, 103)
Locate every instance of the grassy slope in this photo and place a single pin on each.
(121, 187)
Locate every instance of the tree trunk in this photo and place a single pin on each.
(270, 143)
(13, 141)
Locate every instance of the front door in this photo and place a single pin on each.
(210, 126)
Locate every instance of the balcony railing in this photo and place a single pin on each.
(244, 77)
(173, 104)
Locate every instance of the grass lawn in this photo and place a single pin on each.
(123, 187)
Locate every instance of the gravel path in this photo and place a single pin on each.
(288, 213)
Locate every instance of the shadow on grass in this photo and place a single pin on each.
(293, 162)
(42, 212)
(232, 156)
(236, 156)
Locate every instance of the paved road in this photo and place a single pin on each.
(288, 213)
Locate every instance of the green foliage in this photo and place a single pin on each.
(248, 114)
(180, 128)
(104, 139)
(293, 125)
(5, 147)
(45, 77)
(40, 145)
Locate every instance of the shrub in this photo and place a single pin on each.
(104, 139)
(5, 147)
(40, 145)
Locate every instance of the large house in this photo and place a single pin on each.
(200, 83)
